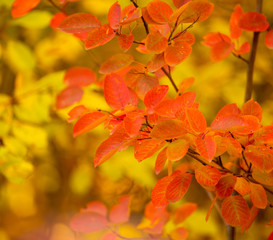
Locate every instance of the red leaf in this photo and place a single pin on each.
(193, 11)
(252, 108)
(183, 212)
(235, 211)
(116, 63)
(21, 7)
(258, 195)
(120, 212)
(88, 222)
(99, 36)
(88, 122)
(168, 129)
(196, 120)
(116, 92)
(235, 30)
(114, 16)
(159, 11)
(79, 23)
(225, 186)
(158, 194)
(269, 39)
(154, 96)
(206, 147)
(260, 156)
(133, 123)
(207, 175)
(57, 19)
(160, 160)
(176, 54)
(156, 42)
(79, 76)
(76, 112)
(179, 3)
(253, 21)
(125, 41)
(68, 96)
(178, 187)
(245, 48)
(177, 149)
(270, 236)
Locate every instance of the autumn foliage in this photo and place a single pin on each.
(231, 157)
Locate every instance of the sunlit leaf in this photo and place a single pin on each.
(120, 212)
(269, 39)
(159, 11)
(130, 14)
(125, 41)
(160, 160)
(196, 120)
(133, 122)
(156, 42)
(235, 30)
(79, 76)
(252, 108)
(158, 194)
(88, 122)
(253, 21)
(207, 175)
(235, 210)
(76, 112)
(258, 195)
(176, 54)
(20, 7)
(116, 92)
(225, 186)
(69, 96)
(79, 22)
(147, 147)
(177, 149)
(114, 16)
(206, 147)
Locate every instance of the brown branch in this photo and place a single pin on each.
(142, 18)
(170, 78)
(56, 6)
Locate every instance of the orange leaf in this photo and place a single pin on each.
(160, 161)
(227, 122)
(88, 122)
(178, 187)
(235, 211)
(20, 8)
(120, 213)
(269, 39)
(242, 186)
(179, 3)
(176, 54)
(147, 147)
(235, 30)
(258, 195)
(222, 144)
(207, 175)
(114, 16)
(253, 213)
(206, 147)
(76, 112)
(158, 194)
(260, 156)
(244, 48)
(183, 37)
(99, 36)
(264, 135)
(145, 84)
(252, 108)
(183, 212)
(177, 149)
(180, 233)
(156, 63)
(116, 92)
(115, 63)
(225, 186)
(57, 19)
(154, 96)
(251, 125)
(193, 11)
(156, 42)
(79, 23)
(196, 120)
(159, 11)
(69, 96)
(79, 76)
(168, 129)
(147, 17)
(262, 177)
(125, 41)
(130, 14)
(185, 84)
(229, 109)
(253, 21)
(132, 123)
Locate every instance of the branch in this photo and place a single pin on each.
(56, 6)
(142, 18)
(170, 78)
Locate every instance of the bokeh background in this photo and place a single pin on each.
(46, 175)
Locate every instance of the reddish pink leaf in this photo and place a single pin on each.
(154, 96)
(57, 19)
(116, 63)
(20, 8)
(225, 186)
(76, 112)
(68, 96)
(206, 147)
(258, 195)
(158, 194)
(183, 212)
(159, 11)
(156, 42)
(88, 222)
(88, 122)
(207, 175)
(176, 54)
(125, 41)
(269, 39)
(253, 21)
(235, 30)
(79, 76)
(99, 36)
(96, 207)
(196, 120)
(114, 16)
(116, 92)
(160, 161)
(120, 212)
(79, 23)
(178, 187)
(133, 123)
(235, 210)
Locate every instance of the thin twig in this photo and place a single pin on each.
(142, 18)
(56, 6)
(240, 57)
(170, 78)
